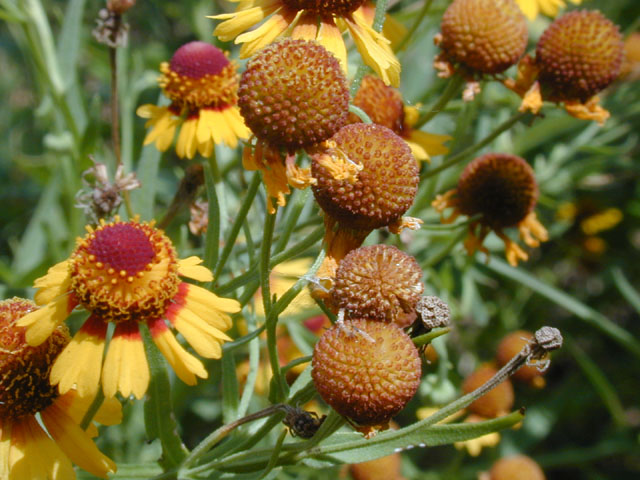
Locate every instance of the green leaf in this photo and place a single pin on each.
(159, 419)
(230, 390)
(626, 289)
(143, 198)
(579, 309)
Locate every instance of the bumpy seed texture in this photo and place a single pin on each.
(382, 103)
(123, 247)
(366, 370)
(488, 36)
(24, 370)
(384, 189)
(378, 282)
(325, 7)
(293, 94)
(495, 402)
(509, 347)
(579, 55)
(499, 186)
(519, 467)
(197, 59)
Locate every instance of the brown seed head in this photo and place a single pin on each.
(495, 402)
(378, 282)
(499, 186)
(293, 94)
(382, 103)
(366, 370)
(578, 55)
(519, 467)
(24, 370)
(384, 468)
(509, 347)
(325, 7)
(487, 36)
(384, 189)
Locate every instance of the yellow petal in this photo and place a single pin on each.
(330, 37)
(80, 362)
(191, 268)
(187, 142)
(75, 442)
(240, 21)
(211, 301)
(125, 366)
(236, 123)
(529, 8)
(5, 446)
(432, 143)
(55, 283)
(265, 34)
(186, 366)
(41, 323)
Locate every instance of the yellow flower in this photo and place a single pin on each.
(127, 273)
(30, 449)
(323, 22)
(531, 8)
(202, 85)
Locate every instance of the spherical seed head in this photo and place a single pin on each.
(124, 271)
(24, 370)
(384, 189)
(366, 370)
(499, 186)
(519, 467)
(382, 103)
(199, 75)
(509, 347)
(579, 55)
(384, 468)
(293, 94)
(378, 282)
(487, 36)
(325, 7)
(495, 402)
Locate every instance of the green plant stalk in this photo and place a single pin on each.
(442, 254)
(625, 288)
(273, 460)
(93, 409)
(360, 113)
(450, 91)
(414, 27)
(212, 238)
(237, 224)
(429, 337)
(458, 157)
(291, 219)
(265, 257)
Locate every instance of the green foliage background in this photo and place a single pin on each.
(584, 424)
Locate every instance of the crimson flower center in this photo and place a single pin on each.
(122, 247)
(197, 59)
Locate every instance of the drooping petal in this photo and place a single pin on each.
(163, 125)
(204, 338)
(186, 366)
(191, 268)
(187, 142)
(109, 413)
(34, 456)
(42, 322)
(54, 284)
(243, 19)
(75, 442)
(125, 367)
(210, 306)
(80, 362)
(5, 446)
(265, 34)
(330, 37)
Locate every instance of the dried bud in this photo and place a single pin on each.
(110, 29)
(434, 312)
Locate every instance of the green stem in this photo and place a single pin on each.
(265, 257)
(450, 91)
(360, 113)
(288, 225)
(431, 261)
(429, 337)
(212, 239)
(273, 460)
(416, 23)
(237, 224)
(93, 409)
(462, 155)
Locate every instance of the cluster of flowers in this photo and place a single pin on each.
(293, 96)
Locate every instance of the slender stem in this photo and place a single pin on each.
(265, 257)
(93, 409)
(450, 91)
(431, 261)
(360, 113)
(115, 115)
(414, 27)
(212, 239)
(273, 460)
(458, 157)
(429, 337)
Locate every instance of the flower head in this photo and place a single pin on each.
(319, 20)
(509, 347)
(384, 106)
(30, 450)
(202, 85)
(378, 282)
(518, 467)
(127, 273)
(366, 370)
(503, 191)
(531, 8)
(495, 402)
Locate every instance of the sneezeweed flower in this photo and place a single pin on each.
(577, 56)
(378, 282)
(292, 95)
(478, 38)
(202, 85)
(384, 106)
(384, 468)
(509, 347)
(518, 467)
(375, 185)
(366, 371)
(532, 8)
(496, 402)
(502, 189)
(127, 273)
(45, 449)
(323, 22)
(630, 70)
